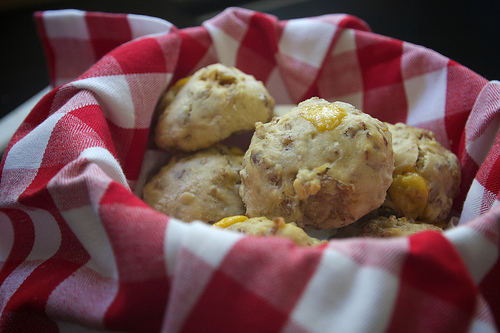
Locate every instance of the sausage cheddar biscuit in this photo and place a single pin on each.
(262, 226)
(322, 165)
(208, 107)
(426, 175)
(200, 186)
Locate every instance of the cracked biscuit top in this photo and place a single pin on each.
(322, 165)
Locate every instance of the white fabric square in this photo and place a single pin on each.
(208, 247)
(277, 88)
(146, 26)
(68, 23)
(106, 162)
(47, 235)
(479, 148)
(355, 99)
(472, 245)
(225, 46)
(83, 293)
(87, 227)
(13, 281)
(14, 182)
(426, 96)
(174, 233)
(473, 202)
(210, 244)
(114, 97)
(307, 40)
(341, 292)
(28, 152)
(345, 43)
(481, 326)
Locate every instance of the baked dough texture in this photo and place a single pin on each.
(209, 106)
(322, 165)
(382, 226)
(262, 226)
(426, 176)
(201, 186)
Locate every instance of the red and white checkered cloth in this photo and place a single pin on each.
(80, 252)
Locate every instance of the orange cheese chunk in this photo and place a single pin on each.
(410, 191)
(227, 221)
(324, 117)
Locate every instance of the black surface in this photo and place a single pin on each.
(465, 31)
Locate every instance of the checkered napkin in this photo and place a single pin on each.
(80, 252)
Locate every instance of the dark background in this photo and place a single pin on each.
(465, 31)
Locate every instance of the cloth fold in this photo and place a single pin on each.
(80, 251)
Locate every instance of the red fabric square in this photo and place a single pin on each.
(437, 291)
(417, 61)
(298, 77)
(139, 306)
(131, 149)
(107, 31)
(83, 136)
(491, 292)
(72, 58)
(268, 278)
(260, 45)
(227, 306)
(386, 103)
(489, 173)
(145, 57)
(283, 283)
(24, 234)
(380, 61)
(195, 43)
(340, 75)
(461, 92)
(135, 258)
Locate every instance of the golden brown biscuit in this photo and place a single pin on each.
(426, 175)
(382, 226)
(209, 106)
(262, 226)
(322, 165)
(202, 186)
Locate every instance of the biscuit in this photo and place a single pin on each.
(426, 175)
(382, 226)
(201, 186)
(322, 165)
(262, 226)
(209, 106)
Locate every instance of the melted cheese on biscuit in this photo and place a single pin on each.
(324, 117)
(227, 221)
(410, 191)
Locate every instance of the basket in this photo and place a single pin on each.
(80, 251)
